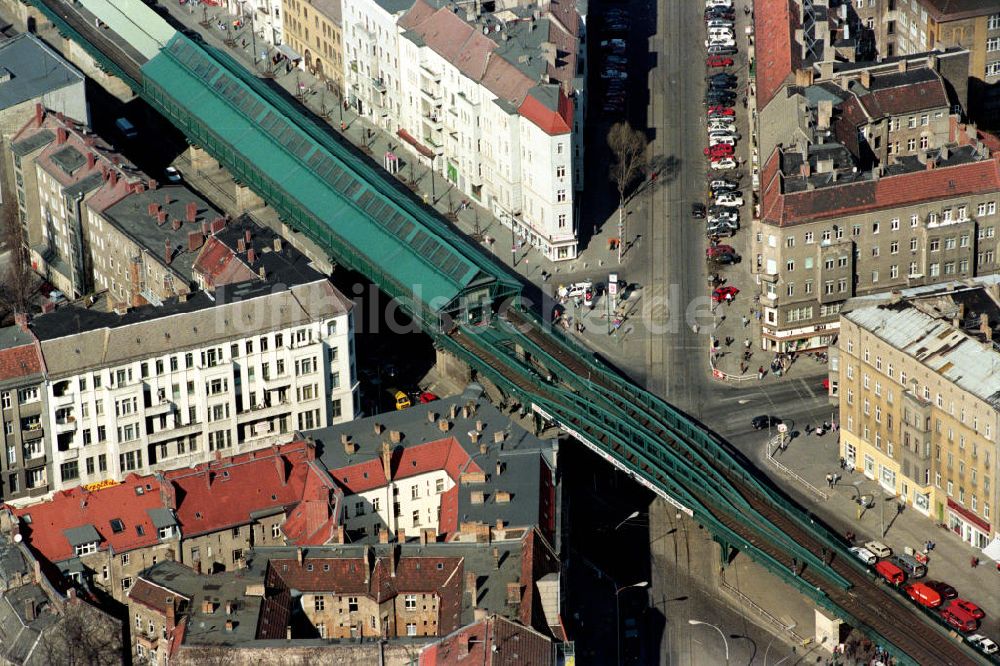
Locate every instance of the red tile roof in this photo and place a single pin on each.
(537, 560)
(775, 23)
(219, 265)
(873, 195)
(446, 454)
(443, 576)
(905, 98)
(153, 596)
(20, 361)
(515, 645)
(448, 518)
(128, 501)
(954, 10)
(550, 122)
(222, 494)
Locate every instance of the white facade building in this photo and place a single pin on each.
(493, 103)
(169, 387)
(266, 18)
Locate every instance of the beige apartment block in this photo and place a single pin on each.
(919, 401)
(313, 30)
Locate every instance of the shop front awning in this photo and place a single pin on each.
(410, 139)
(289, 52)
(992, 551)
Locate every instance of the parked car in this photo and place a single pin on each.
(716, 216)
(983, 644)
(698, 210)
(923, 595)
(722, 50)
(172, 175)
(725, 164)
(722, 150)
(722, 229)
(426, 396)
(612, 44)
(718, 61)
(719, 23)
(960, 621)
(910, 565)
(944, 589)
(726, 259)
(879, 548)
(716, 111)
(890, 572)
(968, 607)
(725, 42)
(721, 140)
(609, 73)
(865, 555)
(719, 249)
(728, 133)
(728, 199)
(722, 184)
(719, 3)
(727, 293)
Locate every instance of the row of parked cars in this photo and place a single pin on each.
(614, 54)
(958, 613)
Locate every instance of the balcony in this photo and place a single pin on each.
(32, 431)
(259, 412)
(428, 73)
(432, 94)
(65, 424)
(434, 121)
(64, 400)
(378, 85)
(174, 433)
(162, 407)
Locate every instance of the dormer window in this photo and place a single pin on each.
(85, 548)
(165, 532)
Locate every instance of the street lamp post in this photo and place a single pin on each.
(634, 514)
(618, 617)
(709, 624)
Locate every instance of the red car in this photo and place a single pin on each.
(960, 621)
(717, 250)
(724, 294)
(968, 607)
(718, 61)
(720, 150)
(426, 396)
(719, 110)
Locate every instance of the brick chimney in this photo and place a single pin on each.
(113, 177)
(471, 585)
(195, 240)
(378, 428)
(444, 425)
(161, 217)
(251, 256)
(387, 460)
(345, 439)
(61, 135)
(21, 319)
(394, 554)
(366, 555)
(246, 236)
(39, 115)
(91, 160)
(153, 183)
(29, 610)
(218, 224)
(866, 79)
(171, 617)
(282, 468)
(168, 252)
(175, 224)
(984, 327)
(241, 246)
(191, 212)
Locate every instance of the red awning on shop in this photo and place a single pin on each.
(968, 515)
(421, 148)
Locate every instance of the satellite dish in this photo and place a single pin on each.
(18, 538)
(497, 28)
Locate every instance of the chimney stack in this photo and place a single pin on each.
(153, 184)
(246, 236)
(345, 439)
(470, 586)
(298, 555)
(984, 327)
(218, 224)
(29, 610)
(387, 461)
(91, 160)
(499, 468)
(498, 436)
(431, 416)
(394, 554)
(444, 425)
(279, 464)
(191, 211)
(251, 256)
(21, 319)
(61, 135)
(277, 244)
(866, 79)
(378, 428)
(453, 412)
(113, 177)
(39, 115)
(241, 246)
(161, 217)
(395, 436)
(367, 564)
(175, 224)
(195, 240)
(168, 252)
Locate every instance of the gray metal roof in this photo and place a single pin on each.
(31, 70)
(943, 348)
(77, 536)
(33, 142)
(68, 158)
(162, 517)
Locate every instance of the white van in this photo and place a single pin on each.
(879, 548)
(865, 555)
(720, 32)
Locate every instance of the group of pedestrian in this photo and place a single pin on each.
(832, 479)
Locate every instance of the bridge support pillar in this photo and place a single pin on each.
(726, 551)
(201, 161)
(827, 631)
(247, 200)
(453, 369)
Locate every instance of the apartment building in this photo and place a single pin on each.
(454, 470)
(25, 463)
(481, 643)
(918, 399)
(911, 26)
(170, 386)
(58, 165)
(400, 593)
(313, 29)
(35, 74)
(493, 102)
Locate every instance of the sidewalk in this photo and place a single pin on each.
(814, 457)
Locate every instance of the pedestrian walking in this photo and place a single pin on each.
(743, 367)
(829, 480)
(746, 321)
(809, 429)
(760, 372)
(746, 343)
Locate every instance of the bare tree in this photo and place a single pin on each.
(18, 280)
(83, 635)
(628, 148)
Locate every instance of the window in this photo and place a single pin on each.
(410, 602)
(85, 548)
(416, 518)
(352, 604)
(319, 603)
(993, 44)
(994, 22)
(560, 196)
(411, 628)
(69, 471)
(125, 559)
(126, 583)
(275, 531)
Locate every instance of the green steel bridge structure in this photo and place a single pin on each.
(472, 308)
